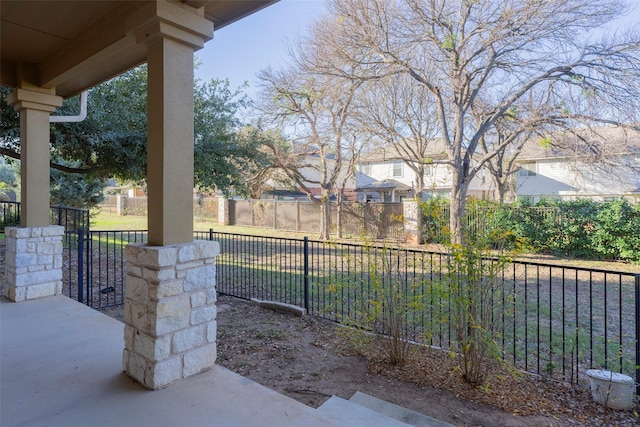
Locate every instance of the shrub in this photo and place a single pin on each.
(616, 233)
(435, 220)
(387, 305)
(471, 288)
(580, 228)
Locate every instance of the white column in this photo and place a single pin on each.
(34, 106)
(171, 32)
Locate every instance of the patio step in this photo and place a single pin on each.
(405, 415)
(354, 415)
(368, 411)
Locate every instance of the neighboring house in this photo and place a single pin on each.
(312, 175)
(386, 176)
(600, 164)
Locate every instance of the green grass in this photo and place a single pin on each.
(112, 221)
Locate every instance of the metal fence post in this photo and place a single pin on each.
(638, 334)
(306, 273)
(80, 264)
(211, 234)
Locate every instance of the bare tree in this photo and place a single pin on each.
(319, 108)
(480, 59)
(272, 147)
(399, 113)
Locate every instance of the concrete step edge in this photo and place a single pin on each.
(355, 415)
(397, 412)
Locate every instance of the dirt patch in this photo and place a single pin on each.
(305, 359)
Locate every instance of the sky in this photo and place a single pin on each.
(240, 50)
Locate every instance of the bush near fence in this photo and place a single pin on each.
(580, 229)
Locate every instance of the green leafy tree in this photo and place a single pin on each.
(227, 156)
(75, 190)
(7, 176)
(111, 142)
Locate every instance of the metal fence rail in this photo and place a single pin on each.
(94, 267)
(551, 320)
(70, 218)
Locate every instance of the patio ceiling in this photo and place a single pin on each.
(74, 45)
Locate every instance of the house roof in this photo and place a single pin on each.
(436, 150)
(595, 142)
(385, 185)
(74, 45)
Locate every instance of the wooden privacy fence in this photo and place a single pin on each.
(203, 208)
(375, 221)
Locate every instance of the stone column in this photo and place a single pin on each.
(412, 221)
(33, 262)
(33, 266)
(170, 312)
(223, 211)
(121, 204)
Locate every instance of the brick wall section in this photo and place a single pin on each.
(170, 312)
(33, 260)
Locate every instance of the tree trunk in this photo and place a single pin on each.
(325, 215)
(458, 204)
(339, 208)
(503, 187)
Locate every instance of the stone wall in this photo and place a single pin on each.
(170, 312)
(412, 222)
(33, 260)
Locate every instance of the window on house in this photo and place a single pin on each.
(527, 169)
(397, 168)
(365, 168)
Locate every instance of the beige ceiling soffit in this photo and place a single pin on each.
(8, 73)
(106, 38)
(53, 75)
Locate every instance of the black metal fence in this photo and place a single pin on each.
(551, 320)
(70, 218)
(94, 267)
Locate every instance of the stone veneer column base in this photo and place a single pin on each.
(170, 312)
(33, 262)
(412, 222)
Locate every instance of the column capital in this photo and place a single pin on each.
(169, 19)
(25, 99)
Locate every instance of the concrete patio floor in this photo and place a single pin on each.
(61, 365)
